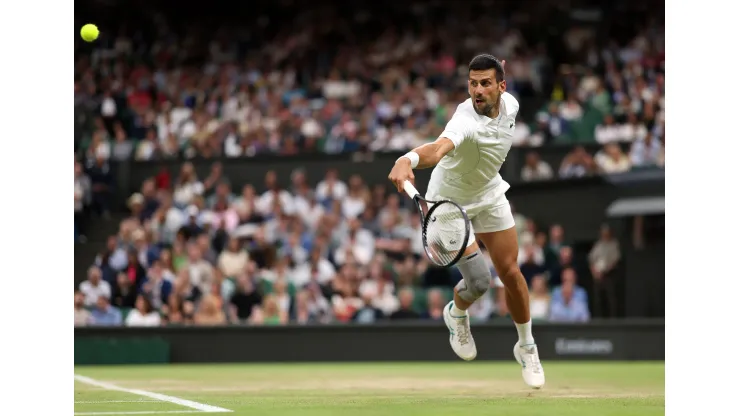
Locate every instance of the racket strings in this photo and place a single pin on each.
(445, 233)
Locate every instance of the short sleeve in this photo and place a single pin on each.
(456, 129)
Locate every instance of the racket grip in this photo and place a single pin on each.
(410, 189)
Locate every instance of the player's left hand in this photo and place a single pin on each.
(401, 172)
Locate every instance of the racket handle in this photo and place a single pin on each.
(410, 189)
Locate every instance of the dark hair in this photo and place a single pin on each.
(484, 62)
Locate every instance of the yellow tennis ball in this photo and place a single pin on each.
(89, 32)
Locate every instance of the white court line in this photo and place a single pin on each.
(153, 412)
(116, 401)
(176, 400)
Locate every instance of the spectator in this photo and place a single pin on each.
(144, 314)
(234, 259)
(529, 267)
(569, 276)
(502, 310)
(535, 169)
(567, 308)
(556, 267)
(94, 287)
(124, 292)
(82, 315)
(539, 299)
(576, 164)
(603, 260)
(571, 110)
(158, 285)
(367, 313)
(405, 309)
(273, 315)
(134, 270)
(612, 160)
(199, 270)
(646, 152)
(435, 303)
(244, 299)
(104, 314)
(609, 132)
(209, 311)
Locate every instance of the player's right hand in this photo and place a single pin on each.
(401, 172)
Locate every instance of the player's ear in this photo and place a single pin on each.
(502, 86)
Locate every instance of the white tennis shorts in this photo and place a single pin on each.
(488, 216)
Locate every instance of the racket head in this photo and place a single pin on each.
(449, 250)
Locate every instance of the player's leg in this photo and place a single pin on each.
(497, 232)
(476, 280)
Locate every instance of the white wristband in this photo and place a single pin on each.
(413, 157)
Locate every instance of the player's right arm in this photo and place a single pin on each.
(422, 157)
(429, 154)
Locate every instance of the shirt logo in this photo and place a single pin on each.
(511, 125)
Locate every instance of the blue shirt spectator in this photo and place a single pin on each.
(105, 314)
(568, 308)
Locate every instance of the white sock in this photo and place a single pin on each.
(525, 333)
(455, 311)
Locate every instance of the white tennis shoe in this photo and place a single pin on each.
(461, 340)
(528, 357)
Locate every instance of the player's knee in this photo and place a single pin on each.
(481, 285)
(511, 273)
(476, 277)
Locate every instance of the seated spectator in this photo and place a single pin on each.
(82, 315)
(568, 308)
(634, 129)
(571, 110)
(380, 289)
(367, 313)
(124, 293)
(556, 267)
(405, 309)
(612, 160)
(234, 259)
(535, 169)
(576, 164)
(539, 298)
(144, 314)
(158, 285)
(94, 287)
(609, 132)
(529, 267)
(569, 276)
(244, 299)
(104, 314)
(271, 312)
(435, 305)
(209, 311)
(646, 152)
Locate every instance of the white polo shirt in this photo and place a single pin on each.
(469, 174)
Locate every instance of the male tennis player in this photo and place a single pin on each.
(466, 159)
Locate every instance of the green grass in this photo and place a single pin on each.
(475, 388)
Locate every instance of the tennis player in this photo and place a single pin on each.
(467, 158)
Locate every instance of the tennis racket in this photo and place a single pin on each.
(445, 228)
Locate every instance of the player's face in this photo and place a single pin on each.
(485, 91)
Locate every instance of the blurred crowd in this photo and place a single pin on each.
(335, 78)
(195, 251)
